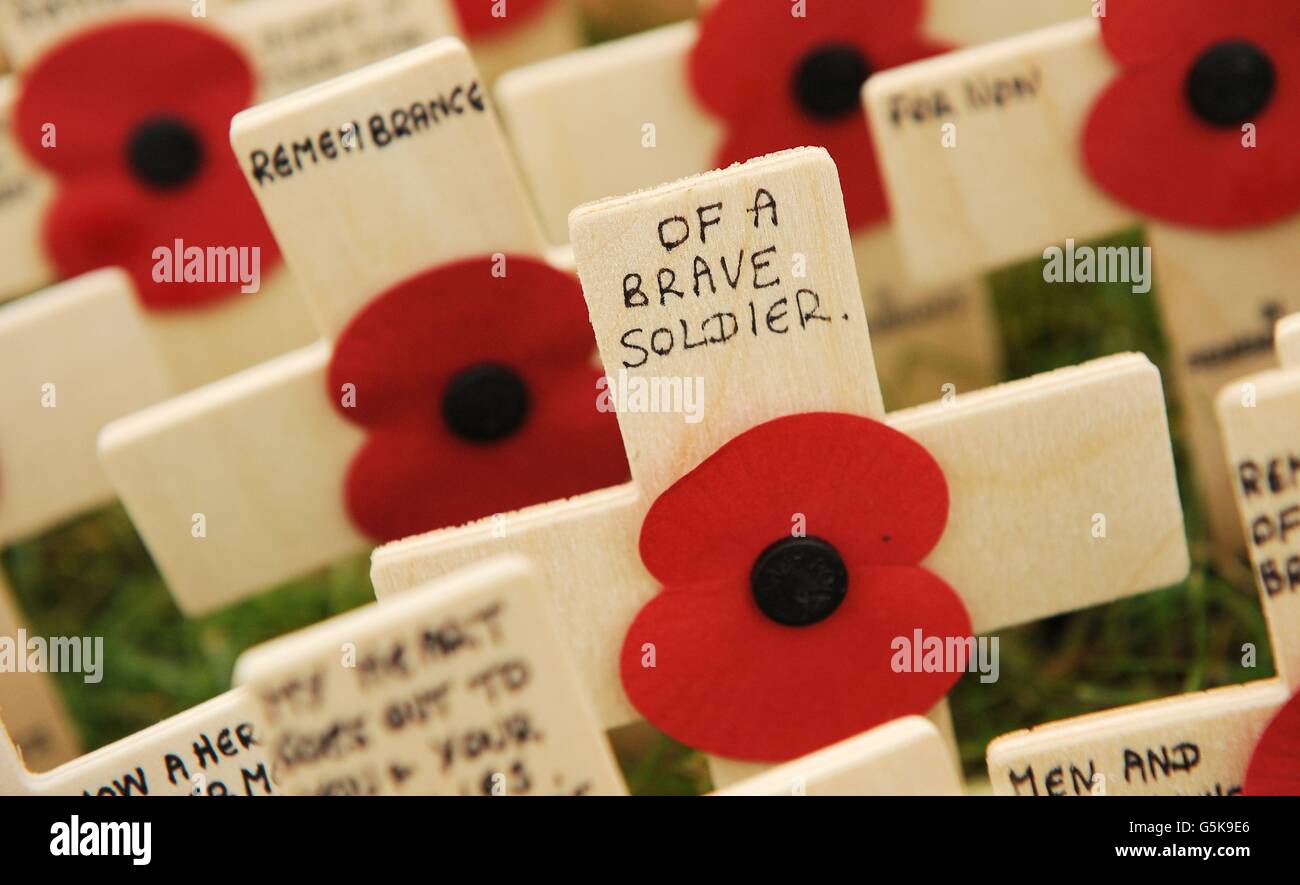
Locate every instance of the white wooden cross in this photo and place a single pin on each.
(1061, 487)
(30, 703)
(55, 349)
(1197, 743)
(983, 158)
(624, 115)
(480, 629)
(213, 749)
(905, 757)
(288, 43)
(262, 457)
(84, 352)
(462, 688)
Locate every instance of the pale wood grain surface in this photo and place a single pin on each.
(1017, 161)
(73, 358)
(906, 757)
(353, 226)
(475, 653)
(209, 748)
(1191, 745)
(1260, 417)
(1288, 341)
(261, 455)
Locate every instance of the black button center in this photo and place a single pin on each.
(799, 581)
(164, 153)
(485, 403)
(1231, 83)
(828, 81)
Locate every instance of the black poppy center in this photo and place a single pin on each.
(799, 581)
(828, 81)
(1230, 83)
(164, 152)
(485, 403)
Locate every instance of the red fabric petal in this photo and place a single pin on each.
(101, 215)
(742, 66)
(405, 345)
(1274, 768)
(875, 494)
(747, 50)
(113, 221)
(416, 476)
(1144, 145)
(1140, 31)
(477, 20)
(729, 681)
(142, 68)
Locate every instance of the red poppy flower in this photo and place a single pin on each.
(781, 82)
(479, 393)
(1166, 136)
(1275, 765)
(478, 21)
(768, 645)
(141, 113)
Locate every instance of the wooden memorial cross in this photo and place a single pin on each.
(697, 96)
(130, 167)
(471, 667)
(55, 349)
(105, 344)
(425, 267)
(906, 757)
(1078, 459)
(109, 343)
(1083, 129)
(462, 688)
(1212, 742)
(213, 749)
(285, 45)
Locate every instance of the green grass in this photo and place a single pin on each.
(93, 577)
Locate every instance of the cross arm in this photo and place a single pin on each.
(1077, 464)
(413, 684)
(1016, 158)
(906, 757)
(259, 457)
(1038, 459)
(210, 749)
(1195, 744)
(55, 351)
(584, 552)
